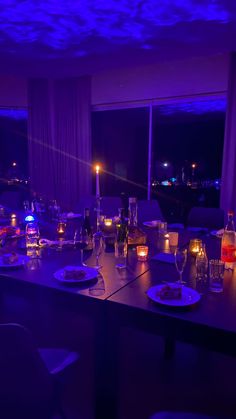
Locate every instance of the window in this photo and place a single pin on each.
(120, 144)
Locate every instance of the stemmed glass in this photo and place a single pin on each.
(80, 242)
(180, 262)
(98, 245)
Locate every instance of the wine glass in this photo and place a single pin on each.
(98, 245)
(180, 262)
(80, 242)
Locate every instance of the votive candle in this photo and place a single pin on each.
(142, 253)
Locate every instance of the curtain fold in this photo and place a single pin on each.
(228, 178)
(60, 139)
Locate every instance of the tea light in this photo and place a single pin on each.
(61, 228)
(194, 246)
(108, 222)
(142, 253)
(13, 220)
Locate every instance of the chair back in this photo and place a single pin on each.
(24, 378)
(212, 218)
(149, 210)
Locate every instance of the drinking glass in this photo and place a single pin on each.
(80, 242)
(216, 275)
(180, 262)
(121, 253)
(98, 246)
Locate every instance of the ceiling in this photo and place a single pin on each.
(85, 36)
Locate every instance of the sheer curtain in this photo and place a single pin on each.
(228, 178)
(60, 139)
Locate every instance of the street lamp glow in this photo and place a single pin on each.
(14, 164)
(165, 164)
(194, 166)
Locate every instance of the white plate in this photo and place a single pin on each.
(22, 260)
(152, 224)
(189, 297)
(71, 215)
(91, 273)
(217, 233)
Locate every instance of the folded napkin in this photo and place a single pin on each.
(164, 257)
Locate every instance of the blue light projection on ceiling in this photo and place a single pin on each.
(73, 25)
(13, 113)
(197, 107)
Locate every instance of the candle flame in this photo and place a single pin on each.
(97, 168)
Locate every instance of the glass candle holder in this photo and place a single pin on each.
(195, 246)
(61, 228)
(108, 222)
(142, 253)
(13, 220)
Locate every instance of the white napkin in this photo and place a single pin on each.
(164, 257)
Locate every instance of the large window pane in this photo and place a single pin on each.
(120, 143)
(187, 155)
(13, 151)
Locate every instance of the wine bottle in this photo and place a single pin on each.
(135, 234)
(86, 226)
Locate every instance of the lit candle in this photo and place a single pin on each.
(61, 228)
(13, 220)
(97, 181)
(194, 246)
(108, 222)
(142, 253)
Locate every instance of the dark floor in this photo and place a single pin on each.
(193, 380)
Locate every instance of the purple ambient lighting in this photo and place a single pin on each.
(14, 113)
(59, 25)
(197, 107)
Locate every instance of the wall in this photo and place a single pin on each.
(13, 92)
(174, 78)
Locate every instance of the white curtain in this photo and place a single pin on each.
(60, 139)
(228, 178)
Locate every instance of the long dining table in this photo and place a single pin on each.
(118, 299)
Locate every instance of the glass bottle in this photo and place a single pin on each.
(202, 264)
(121, 246)
(133, 212)
(228, 243)
(32, 235)
(135, 234)
(86, 227)
(122, 229)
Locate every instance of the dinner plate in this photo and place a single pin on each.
(189, 297)
(90, 273)
(152, 224)
(22, 260)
